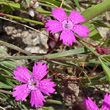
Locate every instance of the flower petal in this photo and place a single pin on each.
(81, 30)
(21, 92)
(46, 86)
(106, 103)
(68, 37)
(22, 74)
(75, 17)
(37, 98)
(39, 70)
(89, 104)
(53, 26)
(59, 14)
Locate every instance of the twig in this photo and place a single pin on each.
(6, 92)
(93, 69)
(75, 78)
(61, 4)
(1, 108)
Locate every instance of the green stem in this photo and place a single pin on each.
(54, 59)
(4, 52)
(106, 56)
(57, 102)
(22, 57)
(6, 92)
(43, 56)
(24, 19)
(96, 10)
(14, 47)
(94, 52)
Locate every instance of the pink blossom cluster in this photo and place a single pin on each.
(35, 84)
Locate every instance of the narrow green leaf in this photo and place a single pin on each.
(64, 64)
(7, 8)
(27, 2)
(5, 86)
(107, 43)
(100, 23)
(11, 4)
(12, 47)
(24, 19)
(57, 3)
(5, 96)
(10, 64)
(47, 5)
(106, 69)
(96, 10)
(43, 11)
(106, 56)
(4, 52)
(50, 101)
(8, 4)
(89, 48)
(56, 55)
(77, 4)
(67, 53)
(103, 79)
(94, 34)
(53, 2)
(6, 70)
(18, 6)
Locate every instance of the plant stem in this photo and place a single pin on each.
(57, 102)
(22, 57)
(6, 92)
(14, 47)
(22, 19)
(94, 52)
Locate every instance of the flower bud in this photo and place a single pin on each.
(31, 12)
(35, 5)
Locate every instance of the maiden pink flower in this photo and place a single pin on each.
(90, 105)
(67, 25)
(33, 84)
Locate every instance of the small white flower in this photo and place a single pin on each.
(32, 5)
(31, 12)
(35, 5)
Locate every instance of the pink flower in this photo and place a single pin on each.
(33, 84)
(90, 105)
(67, 25)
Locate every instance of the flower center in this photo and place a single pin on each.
(67, 24)
(33, 83)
